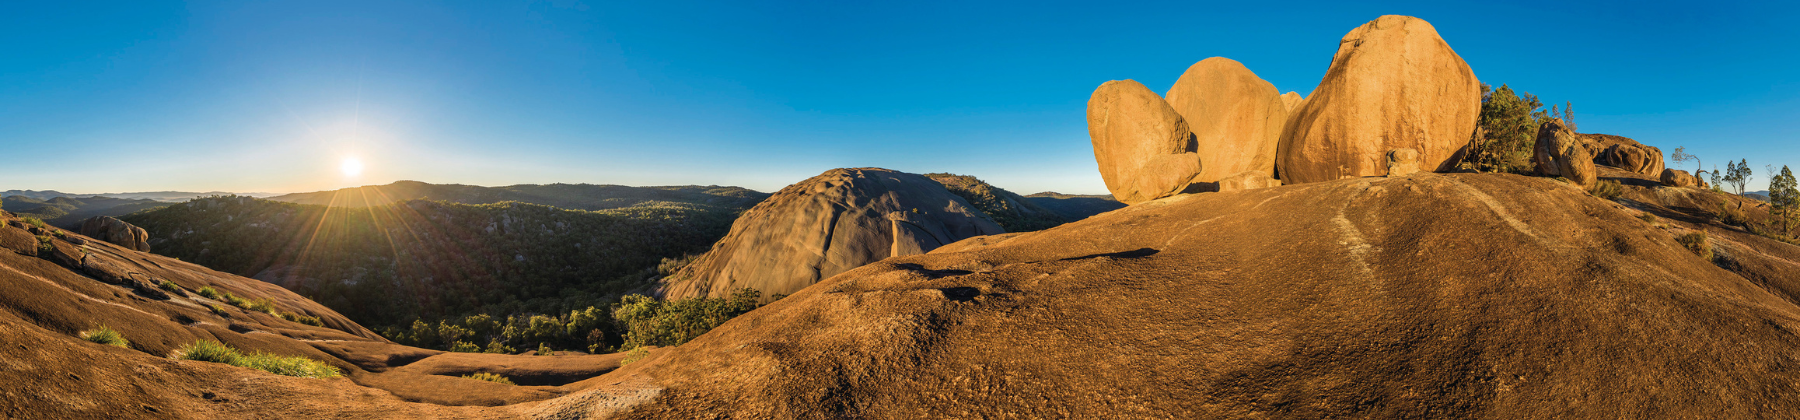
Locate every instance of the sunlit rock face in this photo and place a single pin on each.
(1394, 84)
(828, 224)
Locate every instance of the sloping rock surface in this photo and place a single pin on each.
(1452, 295)
(829, 224)
(1394, 84)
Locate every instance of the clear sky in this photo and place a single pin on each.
(273, 96)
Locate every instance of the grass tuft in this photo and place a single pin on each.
(106, 335)
(215, 352)
(1608, 189)
(169, 286)
(490, 377)
(209, 292)
(209, 351)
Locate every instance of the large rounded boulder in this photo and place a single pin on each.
(829, 224)
(1235, 116)
(1144, 148)
(1394, 84)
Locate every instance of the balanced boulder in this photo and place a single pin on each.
(1235, 116)
(826, 225)
(1393, 84)
(1559, 153)
(1144, 148)
(117, 232)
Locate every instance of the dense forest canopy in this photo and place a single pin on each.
(388, 265)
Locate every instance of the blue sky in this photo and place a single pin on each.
(272, 96)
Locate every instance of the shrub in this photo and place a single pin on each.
(303, 319)
(1608, 189)
(1730, 215)
(107, 336)
(209, 293)
(44, 245)
(35, 222)
(169, 286)
(1647, 218)
(497, 347)
(490, 377)
(633, 356)
(651, 322)
(544, 350)
(215, 352)
(465, 347)
(1697, 243)
(219, 310)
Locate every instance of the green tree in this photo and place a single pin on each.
(1784, 200)
(1506, 131)
(1737, 175)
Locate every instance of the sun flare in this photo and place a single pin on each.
(351, 166)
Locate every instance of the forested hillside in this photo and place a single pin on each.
(568, 196)
(389, 264)
(1011, 211)
(67, 213)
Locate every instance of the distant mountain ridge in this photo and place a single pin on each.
(164, 196)
(1075, 206)
(568, 196)
(67, 213)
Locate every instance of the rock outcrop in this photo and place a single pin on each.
(1558, 152)
(1678, 178)
(117, 232)
(1235, 116)
(1393, 84)
(826, 225)
(1624, 153)
(1144, 148)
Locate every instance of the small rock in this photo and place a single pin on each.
(1402, 162)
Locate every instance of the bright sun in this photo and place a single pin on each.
(351, 166)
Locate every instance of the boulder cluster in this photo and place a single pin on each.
(1393, 85)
